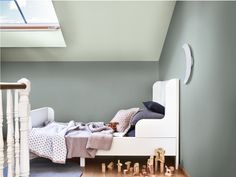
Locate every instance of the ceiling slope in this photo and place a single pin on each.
(105, 31)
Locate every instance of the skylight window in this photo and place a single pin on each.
(9, 13)
(29, 23)
(27, 14)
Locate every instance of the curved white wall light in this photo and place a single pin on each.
(189, 62)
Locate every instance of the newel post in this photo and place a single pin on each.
(24, 113)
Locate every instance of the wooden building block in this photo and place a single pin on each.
(110, 166)
(119, 165)
(103, 168)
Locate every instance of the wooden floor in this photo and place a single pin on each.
(93, 168)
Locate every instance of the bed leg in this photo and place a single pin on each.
(176, 162)
(82, 162)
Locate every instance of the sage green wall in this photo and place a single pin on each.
(207, 112)
(0, 64)
(85, 91)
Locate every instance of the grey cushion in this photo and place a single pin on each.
(131, 133)
(154, 106)
(145, 114)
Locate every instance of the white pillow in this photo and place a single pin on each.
(123, 117)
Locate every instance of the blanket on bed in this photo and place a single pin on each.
(101, 137)
(86, 142)
(49, 141)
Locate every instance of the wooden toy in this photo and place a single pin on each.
(113, 125)
(125, 171)
(156, 161)
(110, 166)
(160, 157)
(119, 165)
(131, 169)
(172, 169)
(150, 167)
(144, 172)
(136, 169)
(152, 164)
(103, 168)
(127, 165)
(162, 168)
(168, 171)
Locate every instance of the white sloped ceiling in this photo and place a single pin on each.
(104, 31)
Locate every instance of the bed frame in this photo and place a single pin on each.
(150, 134)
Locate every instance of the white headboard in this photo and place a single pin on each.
(158, 92)
(167, 93)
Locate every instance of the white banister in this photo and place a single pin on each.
(17, 116)
(24, 112)
(10, 133)
(1, 138)
(17, 138)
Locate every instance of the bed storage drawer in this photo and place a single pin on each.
(135, 146)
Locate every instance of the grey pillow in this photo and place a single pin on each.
(154, 106)
(145, 114)
(131, 133)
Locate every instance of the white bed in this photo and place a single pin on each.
(150, 134)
